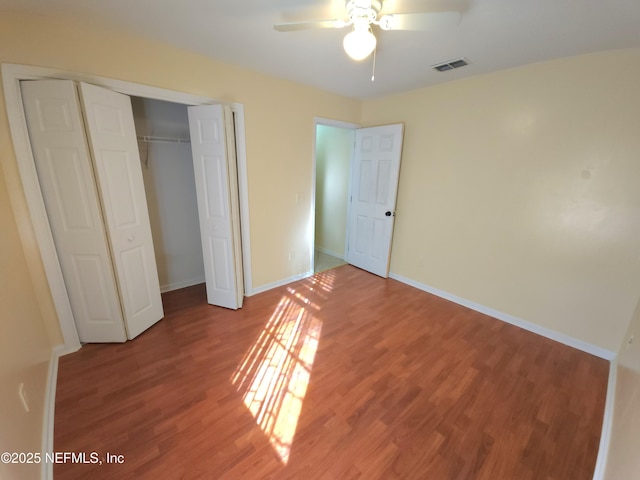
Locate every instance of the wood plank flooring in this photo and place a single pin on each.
(343, 375)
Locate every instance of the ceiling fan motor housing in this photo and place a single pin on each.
(363, 10)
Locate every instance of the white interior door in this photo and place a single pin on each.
(214, 165)
(374, 185)
(68, 187)
(112, 139)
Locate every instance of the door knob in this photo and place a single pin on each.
(131, 238)
(388, 214)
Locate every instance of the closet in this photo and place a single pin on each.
(162, 129)
(86, 155)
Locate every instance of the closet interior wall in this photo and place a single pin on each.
(167, 167)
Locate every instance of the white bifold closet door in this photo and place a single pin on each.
(213, 149)
(96, 206)
(112, 139)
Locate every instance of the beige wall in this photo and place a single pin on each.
(623, 461)
(25, 348)
(333, 156)
(519, 191)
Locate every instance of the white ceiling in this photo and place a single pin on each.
(493, 35)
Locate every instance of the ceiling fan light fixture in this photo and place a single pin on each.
(386, 22)
(360, 42)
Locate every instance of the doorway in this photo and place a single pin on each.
(371, 186)
(12, 75)
(162, 129)
(334, 142)
(83, 138)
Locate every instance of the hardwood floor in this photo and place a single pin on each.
(340, 376)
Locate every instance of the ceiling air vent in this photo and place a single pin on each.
(451, 64)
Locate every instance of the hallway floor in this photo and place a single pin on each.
(324, 261)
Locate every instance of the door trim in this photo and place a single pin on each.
(12, 74)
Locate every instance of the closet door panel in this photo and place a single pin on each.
(213, 164)
(112, 139)
(71, 200)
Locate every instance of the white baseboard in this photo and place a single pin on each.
(49, 409)
(329, 252)
(532, 327)
(607, 422)
(182, 284)
(279, 283)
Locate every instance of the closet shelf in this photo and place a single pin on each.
(152, 139)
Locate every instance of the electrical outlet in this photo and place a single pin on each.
(22, 393)
(292, 256)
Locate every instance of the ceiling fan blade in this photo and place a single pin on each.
(296, 26)
(422, 21)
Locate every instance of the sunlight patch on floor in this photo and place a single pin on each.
(275, 373)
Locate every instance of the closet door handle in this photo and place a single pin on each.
(131, 238)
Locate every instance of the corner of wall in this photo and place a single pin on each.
(49, 409)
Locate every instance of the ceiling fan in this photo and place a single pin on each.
(363, 14)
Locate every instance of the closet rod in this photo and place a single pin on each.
(151, 139)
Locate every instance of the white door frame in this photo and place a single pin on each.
(329, 123)
(12, 74)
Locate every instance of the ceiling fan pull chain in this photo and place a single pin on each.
(373, 72)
